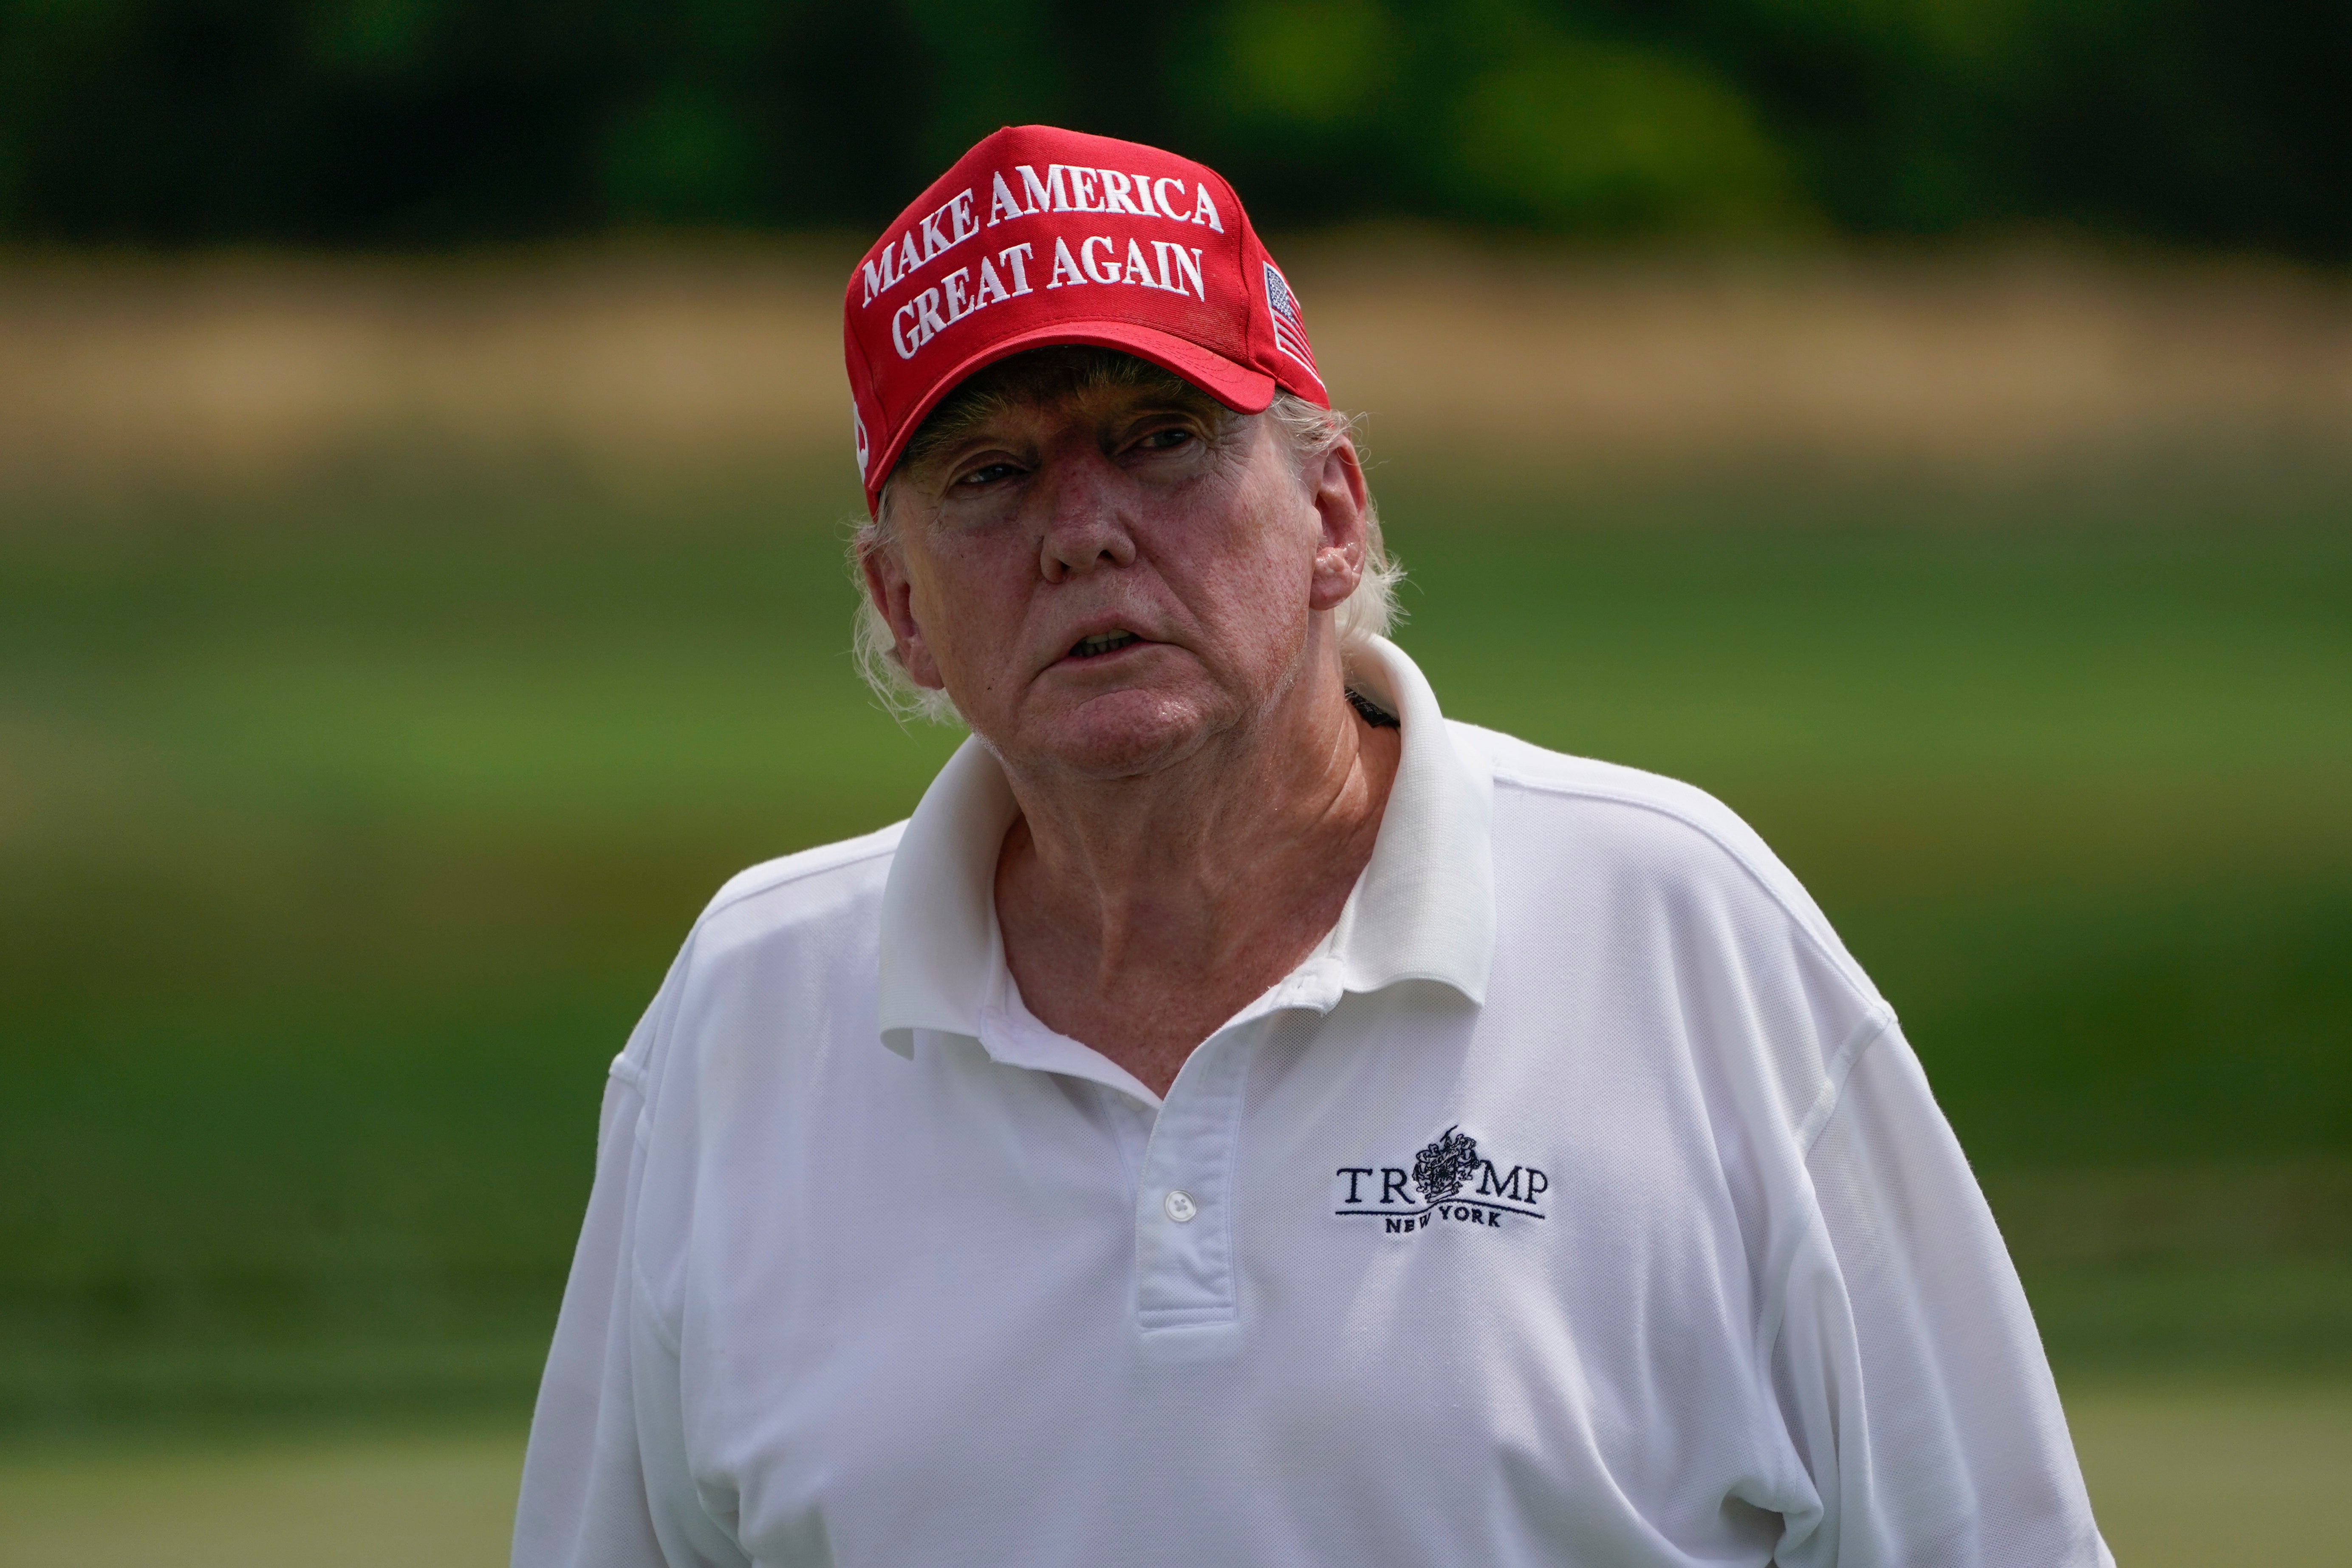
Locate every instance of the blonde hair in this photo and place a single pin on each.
(1312, 432)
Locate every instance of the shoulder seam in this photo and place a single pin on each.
(668, 1336)
(1840, 963)
(801, 874)
(1866, 1033)
(1872, 1029)
(719, 904)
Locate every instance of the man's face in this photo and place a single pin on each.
(1105, 577)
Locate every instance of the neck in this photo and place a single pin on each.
(1139, 914)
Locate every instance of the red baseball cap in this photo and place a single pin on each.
(1041, 236)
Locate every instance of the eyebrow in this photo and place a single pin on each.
(964, 422)
(971, 406)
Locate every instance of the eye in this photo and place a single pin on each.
(1166, 440)
(985, 475)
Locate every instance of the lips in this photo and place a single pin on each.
(1102, 643)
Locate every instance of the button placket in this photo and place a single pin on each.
(1184, 1233)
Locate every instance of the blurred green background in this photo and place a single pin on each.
(1924, 426)
(431, 121)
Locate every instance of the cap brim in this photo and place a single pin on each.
(1238, 386)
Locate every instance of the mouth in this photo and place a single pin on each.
(1102, 643)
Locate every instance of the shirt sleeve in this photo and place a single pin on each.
(596, 1492)
(1909, 1373)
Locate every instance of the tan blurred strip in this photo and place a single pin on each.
(241, 369)
(238, 371)
(1991, 359)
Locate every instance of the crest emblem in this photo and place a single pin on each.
(1450, 1160)
(857, 431)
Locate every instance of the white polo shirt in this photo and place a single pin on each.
(1577, 1201)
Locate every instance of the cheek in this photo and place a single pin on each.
(967, 604)
(1286, 534)
(1254, 584)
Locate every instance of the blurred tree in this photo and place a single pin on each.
(1314, 64)
(2198, 121)
(407, 122)
(1570, 130)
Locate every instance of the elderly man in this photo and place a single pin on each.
(1244, 1116)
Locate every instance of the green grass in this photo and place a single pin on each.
(447, 1500)
(2180, 1477)
(341, 842)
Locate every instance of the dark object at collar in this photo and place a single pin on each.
(1372, 712)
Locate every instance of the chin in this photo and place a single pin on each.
(1124, 734)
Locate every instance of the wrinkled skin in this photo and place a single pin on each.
(1197, 802)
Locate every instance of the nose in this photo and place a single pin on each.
(1084, 526)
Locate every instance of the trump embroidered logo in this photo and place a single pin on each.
(1448, 1180)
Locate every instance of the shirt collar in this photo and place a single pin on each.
(1423, 909)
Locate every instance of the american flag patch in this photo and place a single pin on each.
(1289, 327)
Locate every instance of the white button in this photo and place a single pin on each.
(1179, 1206)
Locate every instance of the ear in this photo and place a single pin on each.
(892, 593)
(1343, 507)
